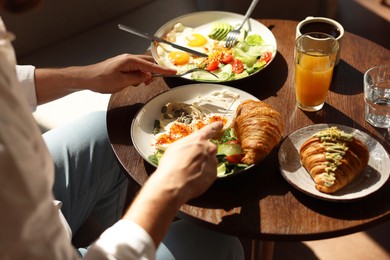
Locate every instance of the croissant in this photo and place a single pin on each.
(333, 158)
(259, 128)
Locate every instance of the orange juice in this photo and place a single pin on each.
(313, 74)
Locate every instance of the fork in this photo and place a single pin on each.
(232, 37)
(184, 73)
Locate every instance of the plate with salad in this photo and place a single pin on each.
(183, 110)
(206, 32)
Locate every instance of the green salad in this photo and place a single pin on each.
(248, 56)
(229, 154)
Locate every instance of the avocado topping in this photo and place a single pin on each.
(219, 31)
(335, 142)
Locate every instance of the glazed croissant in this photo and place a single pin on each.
(259, 128)
(333, 158)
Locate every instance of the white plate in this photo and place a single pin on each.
(202, 21)
(373, 177)
(142, 125)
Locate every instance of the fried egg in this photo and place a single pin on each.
(181, 128)
(196, 40)
(177, 119)
(186, 37)
(179, 58)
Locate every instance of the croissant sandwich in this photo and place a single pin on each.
(259, 128)
(333, 158)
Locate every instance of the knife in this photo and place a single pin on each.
(157, 39)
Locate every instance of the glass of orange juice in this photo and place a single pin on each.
(315, 57)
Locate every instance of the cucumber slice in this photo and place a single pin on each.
(221, 170)
(229, 149)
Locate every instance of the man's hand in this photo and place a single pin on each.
(109, 76)
(190, 164)
(125, 70)
(186, 170)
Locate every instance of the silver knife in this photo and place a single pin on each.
(155, 38)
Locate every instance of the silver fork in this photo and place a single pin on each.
(232, 37)
(184, 73)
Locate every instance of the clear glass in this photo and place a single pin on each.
(315, 57)
(377, 96)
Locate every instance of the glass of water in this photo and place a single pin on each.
(377, 96)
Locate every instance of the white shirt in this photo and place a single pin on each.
(30, 226)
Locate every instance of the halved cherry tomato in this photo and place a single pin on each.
(235, 158)
(266, 56)
(213, 65)
(226, 58)
(233, 142)
(237, 66)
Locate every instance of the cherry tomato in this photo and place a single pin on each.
(235, 158)
(238, 66)
(266, 57)
(233, 142)
(227, 58)
(213, 65)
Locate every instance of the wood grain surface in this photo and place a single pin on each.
(260, 204)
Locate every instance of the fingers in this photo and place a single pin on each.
(138, 77)
(209, 131)
(146, 63)
(155, 68)
(206, 133)
(136, 69)
(146, 57)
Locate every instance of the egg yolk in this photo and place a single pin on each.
(196, 40)
(179, 58)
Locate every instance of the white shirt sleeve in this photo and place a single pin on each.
(25, 74)
(124, 240)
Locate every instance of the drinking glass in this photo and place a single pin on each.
(315, 57)
(377, 96)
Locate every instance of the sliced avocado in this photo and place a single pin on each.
(220, 30)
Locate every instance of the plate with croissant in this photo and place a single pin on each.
(334, 162)
(252, 128)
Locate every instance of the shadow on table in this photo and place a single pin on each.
(258, 181)
(346, 80)
(340, 118)
(293, 251)
(347, 210)
(241, 197)
(380, 234)
(283, 250)
(119, 119)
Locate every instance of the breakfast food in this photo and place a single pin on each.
(251, 129)
(178, 120)
(220, 30)
(249, 55)
(180, 112)
(259, 129)
(333, 159)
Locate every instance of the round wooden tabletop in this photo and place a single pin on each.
(260, 204)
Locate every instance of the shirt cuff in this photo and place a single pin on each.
(126, 240)
(25, 74)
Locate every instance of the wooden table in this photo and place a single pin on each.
(261, 205)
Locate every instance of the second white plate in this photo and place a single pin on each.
(142, 125)
(373, 177)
